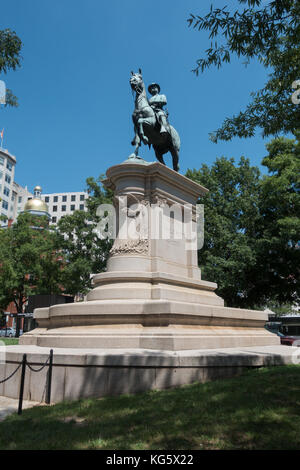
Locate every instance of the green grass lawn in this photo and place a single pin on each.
(257, 410)
(9, 341)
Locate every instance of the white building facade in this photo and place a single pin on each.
(61, 204)
(7, 174)
(20, 196)
(13, 197)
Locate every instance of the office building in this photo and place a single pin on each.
(61, 204)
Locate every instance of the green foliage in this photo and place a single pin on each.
(10, 58)
(11, 99)
(10, 47)
(2, 319)
(37, 260)
(231, 213)
(85, 252)
(281, 309)
(278, 266)
(29, 261)
(271, 33)
(252, 227)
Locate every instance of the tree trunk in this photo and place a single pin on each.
(18, 318)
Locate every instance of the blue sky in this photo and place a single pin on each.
(75, 102)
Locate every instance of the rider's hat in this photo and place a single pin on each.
(153, 85)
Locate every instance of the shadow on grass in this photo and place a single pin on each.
(258, 410)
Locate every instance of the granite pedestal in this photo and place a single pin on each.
(152, 295)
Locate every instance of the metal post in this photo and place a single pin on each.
(22, 383)
(49, 380)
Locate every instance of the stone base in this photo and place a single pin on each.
(83, 373)
(170, 338)
(152, 295)
(175, 321)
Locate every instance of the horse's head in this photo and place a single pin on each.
(136, 81)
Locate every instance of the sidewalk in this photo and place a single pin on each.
(10, 405)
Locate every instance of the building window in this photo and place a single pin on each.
(63, 208)
(54, 220)
(64, 199)
(13, 196)
(9, 166)
(5, 205)
(54, 209)
(1, 161)
(47, 199)
(19, 199)
(81, 207)
(6, 191)
(72, 207)
(82, 197)
(73, 198)
(7, 179)
(55, 199)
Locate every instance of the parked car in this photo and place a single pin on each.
(289, 340)
(8, 332)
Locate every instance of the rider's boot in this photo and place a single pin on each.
(164, 125)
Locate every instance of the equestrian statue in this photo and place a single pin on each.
(150, 121)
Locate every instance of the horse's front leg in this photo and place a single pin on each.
(137, 143)
(136, 140)
(141, 130)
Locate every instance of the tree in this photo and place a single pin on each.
(252, 227)
(231, 214)
(278, 266)
(281, 309)
(30, 261)
(270, 33)
(84, 251)
(10, 58)
(2, 319)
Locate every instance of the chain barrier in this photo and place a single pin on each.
(25, 364)
(41, 368)
(11, 375)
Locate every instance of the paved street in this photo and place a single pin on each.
(10, 405)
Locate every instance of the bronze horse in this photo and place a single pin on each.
(147, 128)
